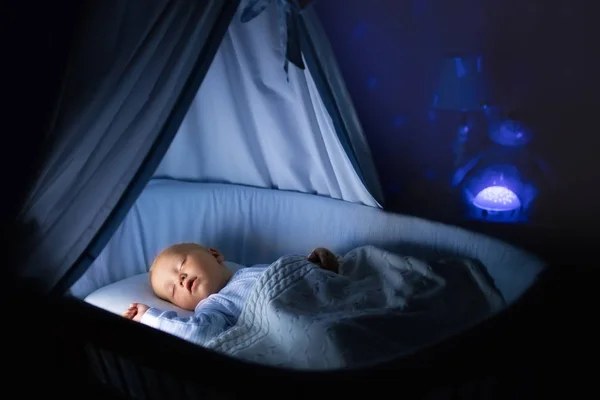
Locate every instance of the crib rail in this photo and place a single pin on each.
(138, 381)
(144, 363)
(138, 362)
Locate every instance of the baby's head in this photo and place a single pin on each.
(187, 273)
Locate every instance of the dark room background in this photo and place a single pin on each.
(389, 53)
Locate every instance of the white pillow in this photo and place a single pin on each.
(117, 296)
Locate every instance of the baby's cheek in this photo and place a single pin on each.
(204, 291)
(201, 294)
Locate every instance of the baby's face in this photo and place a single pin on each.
(186, 274)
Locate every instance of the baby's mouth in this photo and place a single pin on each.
(190, 284)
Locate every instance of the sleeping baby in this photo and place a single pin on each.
(195, 278)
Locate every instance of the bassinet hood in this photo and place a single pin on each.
(129, 92)
(256, 122)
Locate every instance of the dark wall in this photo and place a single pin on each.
(37, 38)
(389, 52)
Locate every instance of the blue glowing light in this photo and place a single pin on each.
(510, 133)
(497, 198)
(399, 121)
(372, 82)
(431, 116)
(359, 30)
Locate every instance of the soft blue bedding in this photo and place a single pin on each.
(381, 305)
(257, 226)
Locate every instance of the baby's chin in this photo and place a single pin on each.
(186, 307)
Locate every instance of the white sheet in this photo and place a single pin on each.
(249, 125)
(257, 226)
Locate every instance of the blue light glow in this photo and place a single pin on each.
(510, 133)
(432, 116)
(372, 82)
(359, 30)
(399, 121)
(497, 198)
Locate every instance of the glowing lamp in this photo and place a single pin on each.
(497, 193)
(497, 198)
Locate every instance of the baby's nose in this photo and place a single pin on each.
(182, 278)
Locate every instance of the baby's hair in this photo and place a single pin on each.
(155, 261)
(152, 268)
(153, 264)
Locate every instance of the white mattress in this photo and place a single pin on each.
(250, 226)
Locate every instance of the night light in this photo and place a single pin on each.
(497, 198)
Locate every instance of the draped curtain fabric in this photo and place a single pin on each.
(302, 36)
(254, 123)
(128, 72)
(321, 61)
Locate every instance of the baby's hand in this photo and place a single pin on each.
(325, 259)
(136, 311)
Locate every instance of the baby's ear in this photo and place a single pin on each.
(216, 254)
